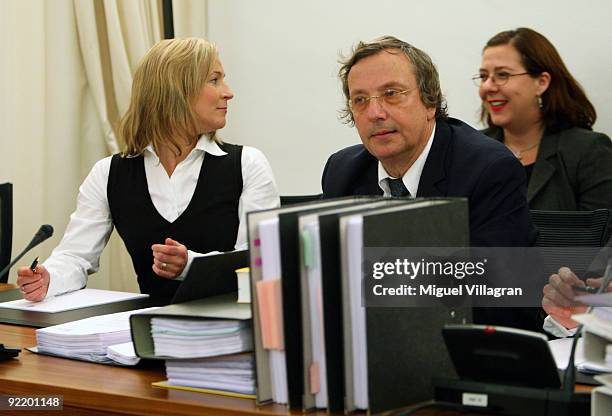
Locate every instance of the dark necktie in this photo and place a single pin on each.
(397, 187)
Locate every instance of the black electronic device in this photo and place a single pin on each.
(501, 355)
(505, 371)
(8, 353)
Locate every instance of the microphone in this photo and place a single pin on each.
(569, 377)
(44, 232)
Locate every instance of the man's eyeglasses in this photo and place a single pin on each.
(498, 78)
(391, 96)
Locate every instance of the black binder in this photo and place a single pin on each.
(292, 326)
(212, 275)
(292, 294)
(405, 349)
(331, 301)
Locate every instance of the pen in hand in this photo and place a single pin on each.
(586, 289)
(34, 264)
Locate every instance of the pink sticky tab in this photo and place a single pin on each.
(315, 377)
(257, 242)
(269, 302)
(258, 261)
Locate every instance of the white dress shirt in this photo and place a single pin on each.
(553, 327)
(412, 176)
(90, 226)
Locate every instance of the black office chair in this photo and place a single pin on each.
(297, 199)
(583, 231)
(6, 226)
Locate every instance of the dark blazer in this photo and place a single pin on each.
(572, 172)
(462, 162)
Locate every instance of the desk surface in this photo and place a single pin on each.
(95, 389)
(90, 389)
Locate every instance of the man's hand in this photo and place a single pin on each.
(169, 259)
(33, 284)
(558, 299)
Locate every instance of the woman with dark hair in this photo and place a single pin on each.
(532, 104)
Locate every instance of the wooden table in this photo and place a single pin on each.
(6, 286)
(95, 389)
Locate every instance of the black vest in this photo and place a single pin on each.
(210, 221)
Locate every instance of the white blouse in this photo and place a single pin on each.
(90, 226)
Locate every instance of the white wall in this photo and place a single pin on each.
(281, 61)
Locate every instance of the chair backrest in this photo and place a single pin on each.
(297, 199)
(558, 229)
(6, 226)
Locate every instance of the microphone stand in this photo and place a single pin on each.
(44, 232)
(41, 235)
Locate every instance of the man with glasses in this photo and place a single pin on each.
(412, 148)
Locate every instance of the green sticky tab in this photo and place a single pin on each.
(308, 252)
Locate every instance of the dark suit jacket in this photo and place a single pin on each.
(462, 162)
(572, 172)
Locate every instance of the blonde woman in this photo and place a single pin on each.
(175, 191)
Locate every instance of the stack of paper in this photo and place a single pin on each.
(229, 373)
(123, 353)
(198, 338)
(86, 339)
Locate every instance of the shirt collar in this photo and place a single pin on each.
(412, 177)
(204, 144)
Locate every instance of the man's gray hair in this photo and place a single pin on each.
(425, 73)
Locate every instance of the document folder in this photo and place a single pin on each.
(391, 354)
(211, 275)
(217, 307)
(322, 303)
(272, 378)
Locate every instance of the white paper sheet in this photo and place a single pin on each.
(87, 339)
(560, 349)
(123, 353)
(72, 300)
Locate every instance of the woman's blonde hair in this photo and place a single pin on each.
(167, 81)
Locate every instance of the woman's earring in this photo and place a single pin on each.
(540, 104)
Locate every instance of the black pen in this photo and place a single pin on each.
(34, 264)
(587, 289)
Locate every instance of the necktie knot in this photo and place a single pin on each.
(397, 187)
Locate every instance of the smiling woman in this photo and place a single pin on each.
(175, 186)
(533, 105)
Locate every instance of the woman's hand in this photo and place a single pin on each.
(33, 284)
(169, 259)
